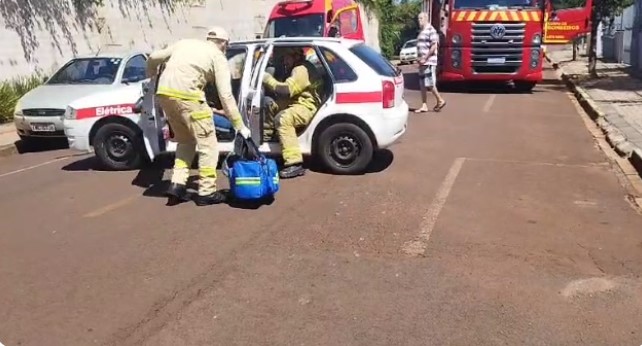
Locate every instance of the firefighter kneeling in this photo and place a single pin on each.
(301, 90)
(189, 65)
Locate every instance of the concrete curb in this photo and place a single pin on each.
(614, 136)
(8, 150)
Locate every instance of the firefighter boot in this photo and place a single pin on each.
(292, 171)
(216, 197)
(177, 193)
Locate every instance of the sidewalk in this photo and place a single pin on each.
(614, 100)
(8, 138)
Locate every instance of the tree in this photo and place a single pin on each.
(602, 9)
(397, 22)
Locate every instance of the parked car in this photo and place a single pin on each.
(39, 113)
(362, 108)
(408, 53)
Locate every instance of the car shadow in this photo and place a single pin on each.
(382, 159)
(38, 145)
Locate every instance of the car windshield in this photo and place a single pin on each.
(410, 44)
(492, 4)
(310, 25)
(87, 71)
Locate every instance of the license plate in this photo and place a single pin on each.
(43, 127)
(496, 60)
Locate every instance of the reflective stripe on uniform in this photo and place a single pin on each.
(207, 172)
(200, 115)
(183, 95)
(180, 163)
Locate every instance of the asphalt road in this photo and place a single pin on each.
(496, 221)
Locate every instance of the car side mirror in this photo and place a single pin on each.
(45, 79)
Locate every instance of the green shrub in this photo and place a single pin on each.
(11, 91)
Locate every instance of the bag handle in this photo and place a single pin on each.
(245, 148)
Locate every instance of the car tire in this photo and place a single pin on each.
(118, 147)
(345, 148)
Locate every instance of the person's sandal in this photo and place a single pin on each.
(439, 107)
(421, 110)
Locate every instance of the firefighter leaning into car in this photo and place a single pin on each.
(189, 65)
(300, 90)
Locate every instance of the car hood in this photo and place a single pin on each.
(58, 96)
(409, 50)
(125, 95)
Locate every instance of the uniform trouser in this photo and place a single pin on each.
(193, 128)
(286, 122)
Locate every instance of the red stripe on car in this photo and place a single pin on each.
(103, 111)
(360, 97)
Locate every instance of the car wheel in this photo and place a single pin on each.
(345, 148)
(118, 147)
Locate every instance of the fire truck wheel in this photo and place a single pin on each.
(345, 148)
(118, 147)
(524, 86)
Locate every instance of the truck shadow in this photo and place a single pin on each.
(411, 82)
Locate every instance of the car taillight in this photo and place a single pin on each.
(388, 94)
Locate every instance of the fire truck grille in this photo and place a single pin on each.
(499, 53)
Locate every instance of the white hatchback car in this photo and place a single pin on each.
(408, 53)
(39, 113)
(363, 107)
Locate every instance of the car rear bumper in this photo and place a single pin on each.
(393, 126)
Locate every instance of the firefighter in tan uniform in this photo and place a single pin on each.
(301, 93)
(189, 65)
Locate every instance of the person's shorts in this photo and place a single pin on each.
(428, 76)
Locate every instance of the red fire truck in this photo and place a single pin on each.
(299, 18)
(502, 40)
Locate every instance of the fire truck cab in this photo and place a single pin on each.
(315, 18)
(502, 40)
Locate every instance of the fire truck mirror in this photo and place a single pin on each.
(328, 17)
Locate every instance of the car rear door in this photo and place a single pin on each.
(251, 106)
(152, 120)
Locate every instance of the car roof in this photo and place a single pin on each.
(110, 55)
(312, 39)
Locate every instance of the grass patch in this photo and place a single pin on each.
(11, 91)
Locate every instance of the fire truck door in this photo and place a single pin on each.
(562, 25)
(348, 22)
(151, 121)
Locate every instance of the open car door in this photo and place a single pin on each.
(252, 105)
(563, 25)
(151, 121)
(347, 23)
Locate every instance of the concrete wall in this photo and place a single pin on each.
(40, 35)
(636, 42)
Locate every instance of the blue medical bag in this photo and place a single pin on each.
(252, 175)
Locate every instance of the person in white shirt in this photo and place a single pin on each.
(427, 48)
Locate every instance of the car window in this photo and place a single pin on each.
(375, 60)
(410, 44)
(338, 67)
(236, 60)
(87, 71)
(135, 69)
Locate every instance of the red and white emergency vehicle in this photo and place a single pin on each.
(490, 40)
(362, 109)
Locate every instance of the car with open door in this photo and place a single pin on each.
(362, 107)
